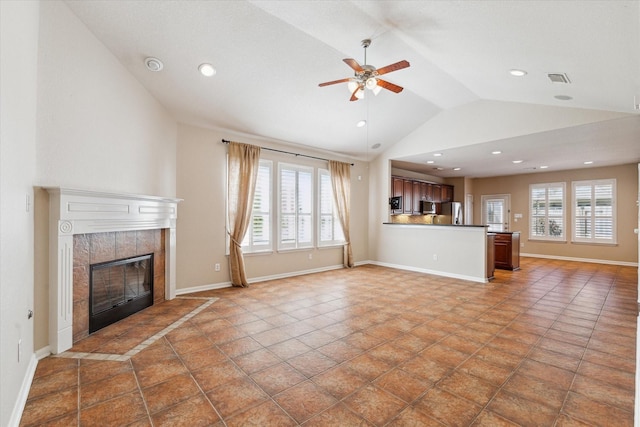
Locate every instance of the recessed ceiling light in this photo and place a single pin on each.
(544, 167)
(563, 97)
(517, 161)
(588, 162)
(153, 64)
(430, 162)
(496, 152)
(361, 123)
(456, 169)
(517, 73)
(437, 154)
(207, 70)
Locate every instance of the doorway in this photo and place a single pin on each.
(496, 211)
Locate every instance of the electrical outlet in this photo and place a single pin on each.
(310, 256)
(217, 267)
(435, 257)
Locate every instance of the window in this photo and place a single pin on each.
(329, 228)
(594, 211)
(547, 211)
(258, 237)
(295, 222)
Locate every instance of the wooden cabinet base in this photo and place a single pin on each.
(507, 251)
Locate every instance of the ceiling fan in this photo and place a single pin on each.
(367, 76)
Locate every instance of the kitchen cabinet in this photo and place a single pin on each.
(447, 193)
(413, 191)
(426, 191)
(417, 196)
(491, 255)
(407, 196)
(507, 250)
(398, 189)
(436, 189)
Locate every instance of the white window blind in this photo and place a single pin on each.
(594, 205)
(258, 237)
(295, 228)
(330, 230)
(547, 211)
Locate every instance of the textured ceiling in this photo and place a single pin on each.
(271, 55)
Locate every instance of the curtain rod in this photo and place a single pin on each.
(226, 141)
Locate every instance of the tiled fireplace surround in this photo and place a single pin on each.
(87, 227)
(101, 247)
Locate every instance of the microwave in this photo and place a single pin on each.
(427, 208)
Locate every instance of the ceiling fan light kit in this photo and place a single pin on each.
(367, 76)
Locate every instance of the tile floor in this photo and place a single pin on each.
(550, 345)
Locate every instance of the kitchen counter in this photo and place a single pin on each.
(458, 251)
(436, 225)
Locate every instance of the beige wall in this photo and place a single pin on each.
(201, 242)
(97, 128)
(518, 187)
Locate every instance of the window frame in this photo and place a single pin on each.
(546, 216)
(593, 215)
(337, 232)
(248, 245)
(297, 244)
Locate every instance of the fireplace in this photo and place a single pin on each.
(118, 289)
(88, 228)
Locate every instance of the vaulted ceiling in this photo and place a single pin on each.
(270, 57)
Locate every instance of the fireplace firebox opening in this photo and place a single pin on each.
(118, 289)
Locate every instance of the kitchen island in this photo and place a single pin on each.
(507, 250)
(458, 251)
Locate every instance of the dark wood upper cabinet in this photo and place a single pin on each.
(425, 191)
(413, 191)
(447, 193)
(437, 193)
(417, 196)
(407, 196)
(398, 191)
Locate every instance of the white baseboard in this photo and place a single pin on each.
(295, 273)
(221, 285)
(595, 261)
(201, 288)
(21, 401)
(427, 271)
(43, 352)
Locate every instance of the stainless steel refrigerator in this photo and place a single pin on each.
(452, 213)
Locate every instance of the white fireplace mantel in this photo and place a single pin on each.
(73, 211)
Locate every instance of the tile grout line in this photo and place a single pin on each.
(146, 343)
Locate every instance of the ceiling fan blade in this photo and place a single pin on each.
(390, 86)
(393, 67)
(353, 64)
(334, 82)
(353, 95)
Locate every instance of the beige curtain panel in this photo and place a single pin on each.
(341, 184)
(244, 160)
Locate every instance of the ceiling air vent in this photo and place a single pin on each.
(559, 78)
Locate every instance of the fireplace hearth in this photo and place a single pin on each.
(118, 289)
